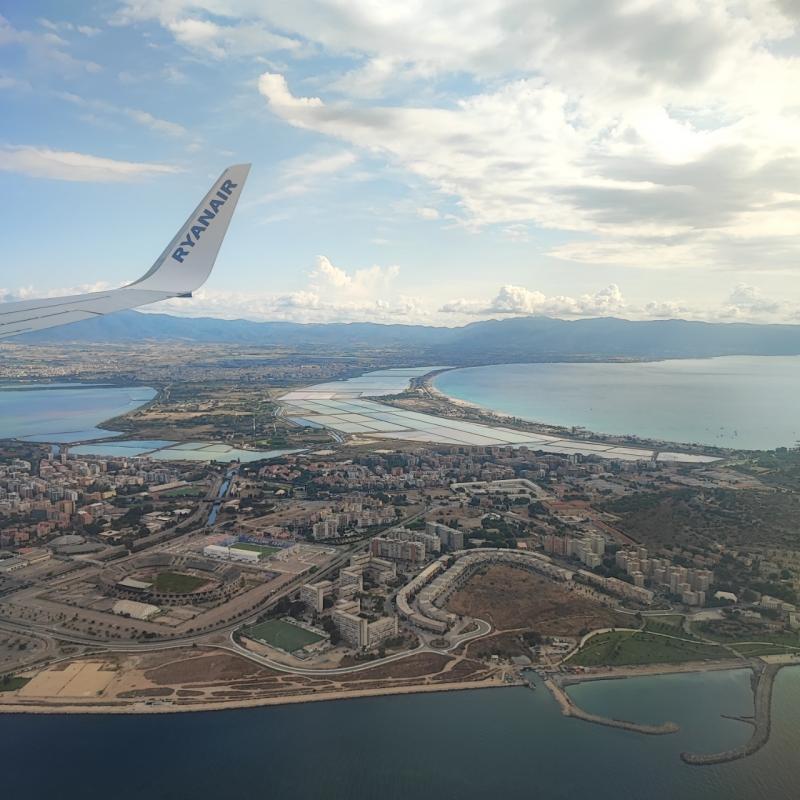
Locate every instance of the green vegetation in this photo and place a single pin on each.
(779, 467)
(703, 518)
(11, 683)
(178, 582)
(262, 549)
(618, 648)
(669, 624)
(764, 649)
(732, 630)
(280, 634)
(185, 491)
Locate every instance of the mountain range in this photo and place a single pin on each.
(491, 341)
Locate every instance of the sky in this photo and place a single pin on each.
(430, 161)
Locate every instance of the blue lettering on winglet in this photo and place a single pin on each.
(203, 221)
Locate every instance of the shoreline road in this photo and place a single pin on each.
(235, 647)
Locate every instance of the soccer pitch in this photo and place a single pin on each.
(263, 550)
(178, 582)
(283, 635)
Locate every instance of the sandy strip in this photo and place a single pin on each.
(138, 707)
(606, 674)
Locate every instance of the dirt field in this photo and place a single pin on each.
(513, 599)
(75, 679)
(203, 669)
(199, 677)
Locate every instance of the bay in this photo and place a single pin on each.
(747, 402)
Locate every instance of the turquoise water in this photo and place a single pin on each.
(746, 402)
(498, 743)
(65, 412)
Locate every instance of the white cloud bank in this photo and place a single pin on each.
(655, 134)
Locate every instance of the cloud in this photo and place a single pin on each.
(243, 38)
(749, 302)
(136, 115)
(744, 303)
(42, 162)
(654, 135)
(84, 30)
(520, 155)
(44, 49)
(10, 82)
(307, 173)
(32, 293)
(331, 294)
(517, 300)
(234, 40)
(426, 212)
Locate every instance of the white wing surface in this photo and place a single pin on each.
(183, 267)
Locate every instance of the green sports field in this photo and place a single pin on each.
(178, 582)
(283, 635)
(262, 549)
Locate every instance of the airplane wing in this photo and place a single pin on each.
(183, 267)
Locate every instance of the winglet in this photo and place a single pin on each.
(189, 258)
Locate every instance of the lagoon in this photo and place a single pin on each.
(747, 402)
(65, 412)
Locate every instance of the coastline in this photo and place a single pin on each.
(488, 415)
(228, 705)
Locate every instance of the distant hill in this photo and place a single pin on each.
(491, 341)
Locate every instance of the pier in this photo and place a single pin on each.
(569, 709)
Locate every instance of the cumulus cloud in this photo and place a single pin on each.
(331, 294)
(42, 162)
(517, 300)
(749, 302)
(744, 303)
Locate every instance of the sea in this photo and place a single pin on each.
(510, 743)
(745, 402)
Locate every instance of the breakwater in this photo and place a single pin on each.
(569, 709)
(764, 684)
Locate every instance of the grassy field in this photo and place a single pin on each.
(178, 582)
(670, 624)
(185, 491)
(262, 549)
(731, 632)
(11, 684)
(618, 648)
(283, 635)
(764, 649)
